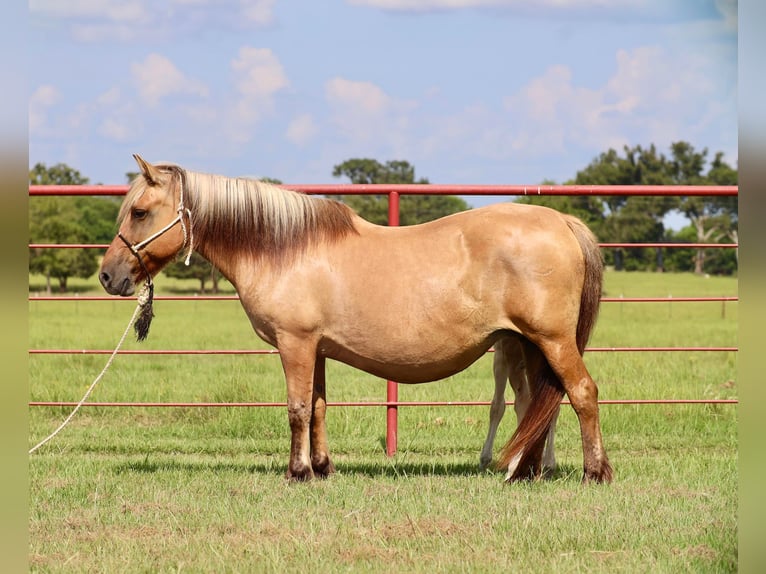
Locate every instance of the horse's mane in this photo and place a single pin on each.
(248, 216)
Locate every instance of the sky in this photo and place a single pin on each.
(467, 91)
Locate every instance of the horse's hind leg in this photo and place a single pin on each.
(501, 371)
(549, 454)
(527, 366)
(510, 364)
(320, 453)
(567, 363)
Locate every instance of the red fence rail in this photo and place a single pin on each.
(394, 192)
(436, 189)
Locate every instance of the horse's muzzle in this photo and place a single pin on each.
(123, 288)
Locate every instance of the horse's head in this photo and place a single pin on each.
(152, 229)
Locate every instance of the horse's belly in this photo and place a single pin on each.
(416, 362)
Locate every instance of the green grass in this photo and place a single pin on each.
(143, 489)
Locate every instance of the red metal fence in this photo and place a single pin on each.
(393, 192)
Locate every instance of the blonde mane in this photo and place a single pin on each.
(248, 216)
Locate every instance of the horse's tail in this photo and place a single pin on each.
(592, 281)
(525, 447)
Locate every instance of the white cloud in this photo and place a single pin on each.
(41, 100)
(364, 97)
(259, 74)
(258, 77)
(109, 97)
(260, 12)
(115, 129)
(619, 11)
(127, 20)
(368, 120)
(302, 129)
(116, 116)
(112, 115)
(526, 5)
(669, 91)
(652, 96)
(157, 77)
(46, 95)
(109, 10)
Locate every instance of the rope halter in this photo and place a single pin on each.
(146, 296)
(188, 236)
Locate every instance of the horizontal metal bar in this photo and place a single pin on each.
(275, 352)
(660, 349)
(68, 245)
(133, 299)
(68, 190)
(367, 403)
(154, 352)
(437, 189)
(665, 299)
(670, 245)
(236, 298)
(602, 245)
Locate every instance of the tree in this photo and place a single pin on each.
(631, 219)
(412, 208)
(59, 174)
(713, 218)
(588, 208)
(616, 219)
(58, 226)
(67, 220)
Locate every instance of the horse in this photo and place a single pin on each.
(410, 304)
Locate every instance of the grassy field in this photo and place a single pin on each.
(202, 490)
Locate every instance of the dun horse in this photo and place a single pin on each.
(313, 278)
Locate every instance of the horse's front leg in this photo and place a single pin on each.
(298, 360)
(320, 452)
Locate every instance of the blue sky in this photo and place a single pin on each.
(468, 91)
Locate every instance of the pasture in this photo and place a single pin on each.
(192, 489)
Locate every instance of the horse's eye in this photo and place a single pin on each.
(139, 213)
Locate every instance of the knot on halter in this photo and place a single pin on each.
(188, 237)
(181, 211)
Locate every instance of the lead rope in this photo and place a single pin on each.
(142, 301)
(145, 297)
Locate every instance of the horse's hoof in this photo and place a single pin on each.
(323, 469)
(602, 475)
(303, 474)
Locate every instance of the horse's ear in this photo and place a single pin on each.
(150, 173)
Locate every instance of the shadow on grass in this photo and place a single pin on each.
(386, 468)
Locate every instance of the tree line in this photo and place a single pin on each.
(613, 219)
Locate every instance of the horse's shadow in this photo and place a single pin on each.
(387, 468)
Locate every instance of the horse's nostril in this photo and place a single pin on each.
(104, 277)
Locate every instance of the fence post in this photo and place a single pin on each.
(392, 390)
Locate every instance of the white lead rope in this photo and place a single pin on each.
(98, 378)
